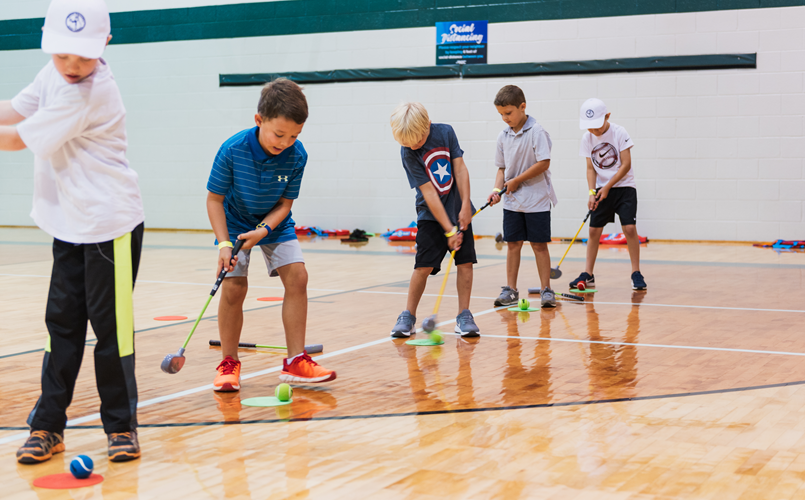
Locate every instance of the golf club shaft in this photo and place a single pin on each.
(487, 203)
(574, 237)
(444, 283)
(221, 276)
(246, 345)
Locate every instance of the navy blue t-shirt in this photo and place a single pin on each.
(433, 163)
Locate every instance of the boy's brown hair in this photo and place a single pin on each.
(510, 95)
(283, 97)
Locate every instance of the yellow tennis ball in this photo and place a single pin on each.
(524, 304)
(283, 392)
(436, 336)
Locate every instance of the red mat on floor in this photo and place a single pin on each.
(66, 481)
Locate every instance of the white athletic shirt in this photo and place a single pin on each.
(84, 190)
(516, 153)
(605, 154)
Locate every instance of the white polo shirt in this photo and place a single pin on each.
(605, 153)
(516, 153)
(84, 190)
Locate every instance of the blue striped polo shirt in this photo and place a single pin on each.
(252, 183)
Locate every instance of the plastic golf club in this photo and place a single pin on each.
(429, 323)
(311, 349)
(565, 295)
(555, 272)
(174, 362)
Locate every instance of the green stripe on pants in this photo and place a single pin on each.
(124, 287)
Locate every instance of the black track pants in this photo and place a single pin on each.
(91, 282)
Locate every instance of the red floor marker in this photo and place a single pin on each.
(270, 299)
(66, 481)
(170, 318)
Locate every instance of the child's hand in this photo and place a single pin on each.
(225, 259)
(252, 238)
(592, 203)
(493, 199)
(602, 195)
(512, 185)
(465, 217)
(454, 242)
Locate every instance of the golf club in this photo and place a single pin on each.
(555, 272)
(311, 349)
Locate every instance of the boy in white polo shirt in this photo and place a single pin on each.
(523, 158)
(607, 147)
(87, 198)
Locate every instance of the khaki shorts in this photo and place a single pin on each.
(276, 256)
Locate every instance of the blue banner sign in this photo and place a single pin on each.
(461, 42)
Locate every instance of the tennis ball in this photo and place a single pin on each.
(524, 304)
(81, 467)
(436, 336)
(283, 392)
(581, 286)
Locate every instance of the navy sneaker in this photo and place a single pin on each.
(507, 297)
(406, 325)
(588, 279)
(465, 324)
(638, 283)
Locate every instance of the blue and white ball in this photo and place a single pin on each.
(81, 467)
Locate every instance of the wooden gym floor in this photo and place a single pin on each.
(694, 389)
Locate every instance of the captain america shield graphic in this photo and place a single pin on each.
(440, 170)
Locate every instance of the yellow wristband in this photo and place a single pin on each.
(224, 244)
(452, 233)
(497, 190)
(592, 192)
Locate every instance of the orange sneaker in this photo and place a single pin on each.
(228, 378)
(304, 370)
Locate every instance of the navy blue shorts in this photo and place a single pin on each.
(534, 227)
(431, 246)
(621, 201)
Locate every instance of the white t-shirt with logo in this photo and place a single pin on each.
(516, 153)
(605, 153)
(84, 190)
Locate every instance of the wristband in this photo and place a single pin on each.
(497, 190)
(263, 224)
(593, 192)
(452, 233)
(224, 244)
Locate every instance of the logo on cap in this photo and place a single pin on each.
(75, 22)
(590, 113)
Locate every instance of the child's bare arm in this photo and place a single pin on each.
(626, 165)
(8, 115)
(10, 139)
(534, 170)
(500, 179)
(217, 215)
(272, 220)
(437, 209)
(462, 176)
(592, 203)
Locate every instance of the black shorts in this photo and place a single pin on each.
(534, 227)
(621, 201)
(431, 246)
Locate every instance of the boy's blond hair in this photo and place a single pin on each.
(409, 123)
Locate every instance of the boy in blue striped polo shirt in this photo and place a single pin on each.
(254, 180)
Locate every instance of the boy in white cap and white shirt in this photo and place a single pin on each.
(607, 147)
(88, 199)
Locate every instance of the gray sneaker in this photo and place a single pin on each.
(548, 298)
(508, 297)
(465, 324)
(406, 325)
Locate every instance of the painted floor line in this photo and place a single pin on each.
(633, 344)
(689, 306)
(207, 387)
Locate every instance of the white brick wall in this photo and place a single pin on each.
(718, 154)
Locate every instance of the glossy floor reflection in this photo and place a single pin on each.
(693, 389)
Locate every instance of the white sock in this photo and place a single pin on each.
(290, 360)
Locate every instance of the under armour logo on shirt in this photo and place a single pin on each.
(282, 178)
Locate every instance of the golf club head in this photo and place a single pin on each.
(429, 324)
(315, 348)
(555, 273)
(534, 290)
(173, 362)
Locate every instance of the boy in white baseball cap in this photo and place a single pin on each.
(88, 199)
(607, 147)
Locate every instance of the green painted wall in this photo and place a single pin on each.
(318, 16)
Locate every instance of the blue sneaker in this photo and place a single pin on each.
(588, 279)
(406, 325)
(465, 324)
(638, 283)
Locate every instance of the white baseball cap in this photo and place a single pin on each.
(592, 115)
(78, 27)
